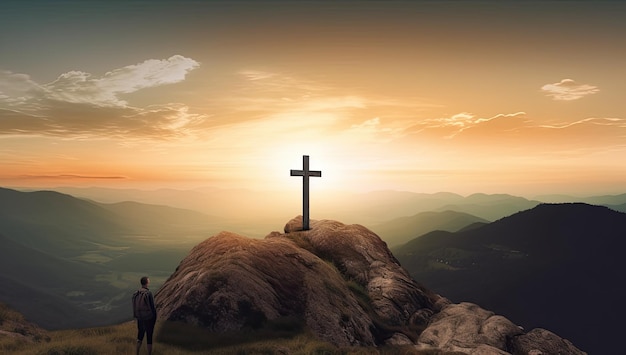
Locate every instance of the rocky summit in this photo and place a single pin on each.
(343, 284)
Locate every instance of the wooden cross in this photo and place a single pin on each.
(305, 173)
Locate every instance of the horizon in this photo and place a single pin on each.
(463, 97)
(323, 192)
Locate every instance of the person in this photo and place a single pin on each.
(145, 313)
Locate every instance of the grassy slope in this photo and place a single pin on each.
(174, 340)
(120, 339)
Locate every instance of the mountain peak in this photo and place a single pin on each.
(339, 281)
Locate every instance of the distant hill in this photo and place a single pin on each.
(556, 266)
(263, 210)
(56, 223)
(602, 200)
(614, 202)
(490, 207)
(620, 208)
(69, 262)
(401, 230)
(160, 219)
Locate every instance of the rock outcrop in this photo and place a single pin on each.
(342, 283)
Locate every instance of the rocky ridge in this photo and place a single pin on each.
(342, 283)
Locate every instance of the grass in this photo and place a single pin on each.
(15, 330)
(177, 339)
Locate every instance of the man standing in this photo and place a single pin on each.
(145, 312)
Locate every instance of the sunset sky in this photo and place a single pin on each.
(488, 96)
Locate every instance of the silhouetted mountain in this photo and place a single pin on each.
(558, 198)
(401, 230)
(490, 207)
(556, 266)
(610, 201)
(66, 261)
(380, 206)
(620, 208)
(614, 202)
(606, 200)
(473, 226)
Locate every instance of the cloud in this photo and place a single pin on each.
(568, 89)
(77, 104)
(71, 120)
(517, 135)
(375, 131)
(450, 127)
(81, 87)
(72, 176)
(256, 74)
(263, 95)
(263, 82)
(16, 87)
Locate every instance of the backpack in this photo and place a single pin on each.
(141, 305)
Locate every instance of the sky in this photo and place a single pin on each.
(512, 97)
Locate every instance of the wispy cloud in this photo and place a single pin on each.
(520, 135)
(78, 104)
(568, 89)
(256, 74)
(450, 127)
(72, 176)
(81, 87)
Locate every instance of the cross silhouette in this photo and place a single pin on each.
(305, 173)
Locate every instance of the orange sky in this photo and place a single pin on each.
(494, 97)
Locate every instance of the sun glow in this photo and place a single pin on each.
(376, 102)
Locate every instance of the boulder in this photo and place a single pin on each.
(465, 326)
(363, 258)
(339, 281)
(229, 282)
(542, 342)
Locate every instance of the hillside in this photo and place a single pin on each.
(37, 284)
(401, 230)
(69, 262)
(56, 223)
(15, 329)
(548, 266)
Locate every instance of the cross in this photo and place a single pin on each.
(305, 173)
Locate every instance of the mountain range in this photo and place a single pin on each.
(71, 262)
(401, 230)
(556, 266)
(68, 262)
(254, 212)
